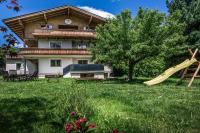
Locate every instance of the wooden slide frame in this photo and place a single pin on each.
(193, 54)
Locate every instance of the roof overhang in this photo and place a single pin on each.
(16, 24)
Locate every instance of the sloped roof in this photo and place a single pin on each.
(16, 24)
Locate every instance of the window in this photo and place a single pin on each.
(82, 61)
(55, 45)
(80, 44)
(18, 66)
(68, 27)
(87, 28)
(55, 63)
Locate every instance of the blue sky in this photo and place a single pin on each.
(111, 6)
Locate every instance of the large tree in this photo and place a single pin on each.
(190, 16)
(124, 40)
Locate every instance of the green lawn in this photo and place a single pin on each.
(43, 107)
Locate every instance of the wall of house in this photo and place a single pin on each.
(75, 60)
(75, 75)
(44, 43)
(78, 75)
(55, 21)
(31, 67)
(44, 65)
(11, 65)
(99, 75)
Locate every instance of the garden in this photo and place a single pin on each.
(137, 47)
(109, 105)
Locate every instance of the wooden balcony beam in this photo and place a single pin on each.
(21, 23)
(90, 20)
(45, 18)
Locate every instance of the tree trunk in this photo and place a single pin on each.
(130, 70)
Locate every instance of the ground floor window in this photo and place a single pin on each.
(55, 63)
(82, 61)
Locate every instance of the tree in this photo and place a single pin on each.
(190, 16)
(129, 41)
(11, 4)
(10, 40)
(2, 62)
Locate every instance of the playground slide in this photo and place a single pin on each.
(169, 72)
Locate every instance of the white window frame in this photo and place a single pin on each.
(55, 59)
(55, 41)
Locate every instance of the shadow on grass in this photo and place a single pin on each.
(124, 81)
(112, 81)
(18, 115)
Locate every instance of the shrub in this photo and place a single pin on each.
(150, 67)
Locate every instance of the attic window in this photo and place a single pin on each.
(68, 27)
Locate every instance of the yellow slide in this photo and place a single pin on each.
(169, 72)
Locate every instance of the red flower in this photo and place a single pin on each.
(90, 126)
(83, 120)
(68, 128)
(72, 113)
(115, 131)
(79, 122)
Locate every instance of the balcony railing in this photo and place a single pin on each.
(44, 51)
(65, 33)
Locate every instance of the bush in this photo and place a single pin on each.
(150, 67)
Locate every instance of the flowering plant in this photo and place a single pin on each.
(116, 131)
(78, 124)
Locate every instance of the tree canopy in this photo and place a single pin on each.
(130, 40)
(190, 16)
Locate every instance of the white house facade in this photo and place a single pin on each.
(56, 42)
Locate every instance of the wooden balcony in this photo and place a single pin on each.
(43, 51)
(68, 34)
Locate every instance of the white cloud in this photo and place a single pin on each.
(20, 45)
(101, 13)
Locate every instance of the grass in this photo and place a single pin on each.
(43, 107)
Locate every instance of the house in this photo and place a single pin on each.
(56, 42)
